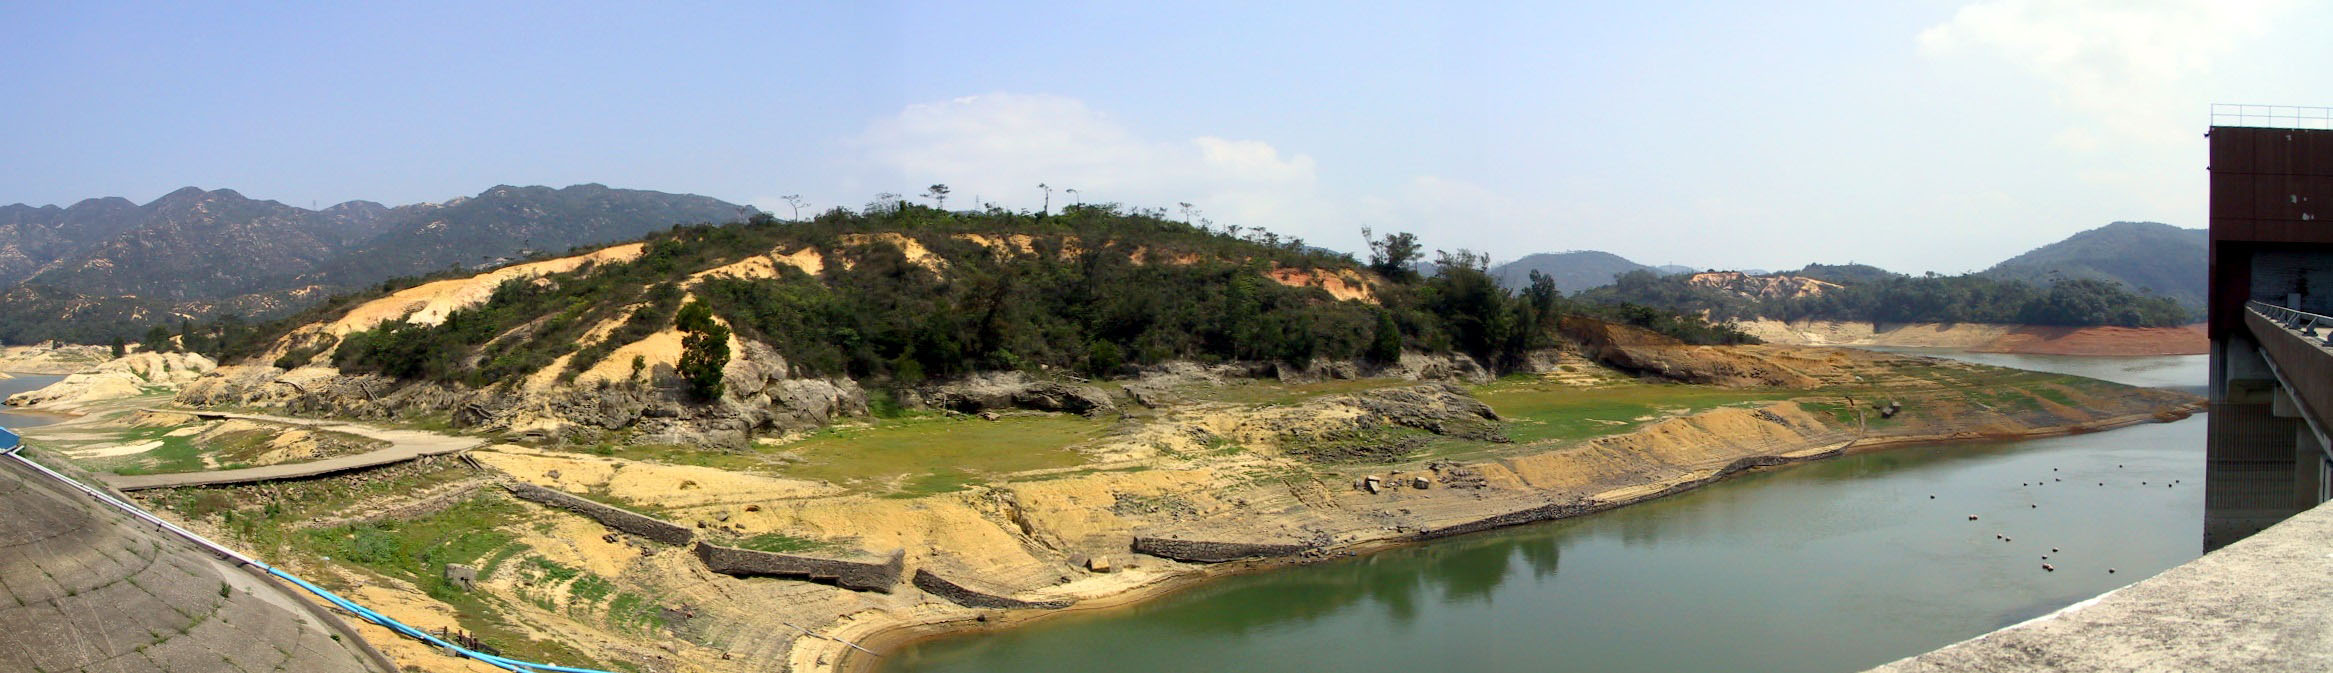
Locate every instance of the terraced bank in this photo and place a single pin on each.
(1019, 527)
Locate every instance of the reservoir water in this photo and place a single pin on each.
(1836, 565)
(9, 416)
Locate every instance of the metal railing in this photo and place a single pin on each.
(2271, 116)
(2297, 320)
(12, 444)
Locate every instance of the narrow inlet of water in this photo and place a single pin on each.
(1837, 565)
(10, 416)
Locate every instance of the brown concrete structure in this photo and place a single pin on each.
(2271, 242)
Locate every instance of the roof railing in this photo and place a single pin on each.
(2296, 320)
(2272, 116)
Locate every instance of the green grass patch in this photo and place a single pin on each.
(1553, 412)
(781, 543)
(589, 589)
(417, 550)
(937, 454)
(1273, 392)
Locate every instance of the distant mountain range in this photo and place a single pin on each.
(108, 267)
(1574, 271)
(2145, 256)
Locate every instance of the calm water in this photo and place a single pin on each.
(1832, 566)
(9, 416)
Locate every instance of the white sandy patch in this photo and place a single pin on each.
(914, 251)
(429, 303)
(111, 451)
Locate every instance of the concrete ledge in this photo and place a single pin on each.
(2262, 604)
(935, 585)
(1213, 552)
(853, 575)
(654, 529)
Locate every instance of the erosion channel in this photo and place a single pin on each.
(1834, 565)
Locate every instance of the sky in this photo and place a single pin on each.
(1918, 135)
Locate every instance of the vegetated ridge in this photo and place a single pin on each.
(2145, 256)
(107, 268)
(1574, 271)
(1971, 298)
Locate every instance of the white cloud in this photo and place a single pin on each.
(1000, 146)
(2136, 68)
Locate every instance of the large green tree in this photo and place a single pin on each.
(704, 350)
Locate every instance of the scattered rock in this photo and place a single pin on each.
(461, 576)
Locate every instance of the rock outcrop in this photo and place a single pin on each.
(128, 376)
(757, 395)
(1014, 390)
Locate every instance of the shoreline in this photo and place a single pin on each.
(835, 655)
(2098, 341)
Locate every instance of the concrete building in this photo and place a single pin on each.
(2271, 380)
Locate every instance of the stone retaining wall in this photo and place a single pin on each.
(654, 529)
(935, 585)
(853, 575)
(1212, 552)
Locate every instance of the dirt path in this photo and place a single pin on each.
(404, 445)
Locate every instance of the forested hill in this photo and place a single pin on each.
(1573, 271)
(1974, 298)
(2147, 256)
(907, 292)
(105, 268)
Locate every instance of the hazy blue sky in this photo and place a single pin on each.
(1914, 135)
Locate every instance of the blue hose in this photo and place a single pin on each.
(11, 443)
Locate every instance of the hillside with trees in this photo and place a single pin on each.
(905, 293)
(1971, 298)
(106, 268)
(2149, 257)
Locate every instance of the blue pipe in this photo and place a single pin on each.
(11, 443)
